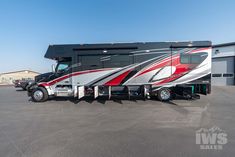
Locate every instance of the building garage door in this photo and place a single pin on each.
(223, 71)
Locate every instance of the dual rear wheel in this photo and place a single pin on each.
(164, 94)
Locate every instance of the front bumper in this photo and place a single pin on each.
(17, 85)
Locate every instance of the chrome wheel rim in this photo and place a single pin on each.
(38, 95)
(165, 94)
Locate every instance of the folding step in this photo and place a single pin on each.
(81, 92)
(96, 92)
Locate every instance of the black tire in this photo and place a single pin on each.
(27, 87)
(164, 94)
(39, 94)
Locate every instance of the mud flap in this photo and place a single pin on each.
(145, 92)
(204, 89)
(81, 92)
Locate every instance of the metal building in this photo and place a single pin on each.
(223, 64)
(10, 77)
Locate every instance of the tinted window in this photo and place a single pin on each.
(185, 59)
(216, 75)
(138, 58)
(196, 59)
(113, 61)
(227, 75)
(90, 62)
(63, 66)
(193, 58)
(104, 61)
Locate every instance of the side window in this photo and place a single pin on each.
(185, 59)
(90, 62)
(193, 58)
(62, 66)
(138, 58)
(114, 61)
(196, 59)
(216, 75)
(228, 75)
(104, 61)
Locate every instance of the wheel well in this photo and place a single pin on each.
(43, 87)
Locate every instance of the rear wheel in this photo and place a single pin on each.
(164, 94)
(39, 94)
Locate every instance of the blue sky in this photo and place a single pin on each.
(27, 27)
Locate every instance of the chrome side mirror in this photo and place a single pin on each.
(53, 68)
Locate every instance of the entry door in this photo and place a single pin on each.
(64, 69)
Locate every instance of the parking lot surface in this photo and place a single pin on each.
(117, 128)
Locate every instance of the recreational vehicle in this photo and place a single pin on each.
(146, 69)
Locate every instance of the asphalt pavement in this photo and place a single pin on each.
(113, 128)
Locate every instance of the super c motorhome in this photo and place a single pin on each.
(148, 70)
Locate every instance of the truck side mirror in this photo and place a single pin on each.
(53, 68)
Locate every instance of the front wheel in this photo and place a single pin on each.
(164, 94)
(39, 94)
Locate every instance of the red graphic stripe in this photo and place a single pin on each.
(117, 80)
(180, 71)
(166, 61)
(161, 64)
(50, 83)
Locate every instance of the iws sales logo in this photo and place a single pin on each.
(213, 138)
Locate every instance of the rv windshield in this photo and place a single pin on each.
(62, 67)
